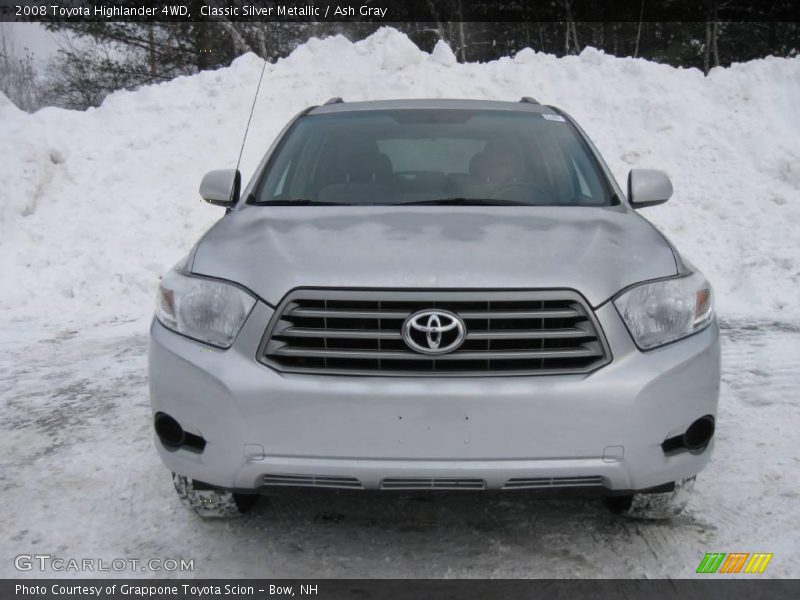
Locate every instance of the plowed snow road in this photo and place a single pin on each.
(80, 479)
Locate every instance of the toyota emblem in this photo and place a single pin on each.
(434, 331)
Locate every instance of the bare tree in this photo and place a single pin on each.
(639, 31)
(711, 49)
(571, 31)
(74, 80)
(18, 79)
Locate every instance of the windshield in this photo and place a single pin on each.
(415, 156)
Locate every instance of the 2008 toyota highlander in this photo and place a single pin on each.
(434, 295)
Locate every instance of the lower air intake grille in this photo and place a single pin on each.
(342, 332)
(535, 483)
(322, 481)
(426, 483)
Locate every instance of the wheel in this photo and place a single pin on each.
(655, 506)
(211, 502)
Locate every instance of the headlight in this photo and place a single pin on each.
(207, 310)
(663, 311)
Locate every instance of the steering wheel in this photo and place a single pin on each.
(522, 192)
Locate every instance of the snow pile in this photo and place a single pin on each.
(96, 205)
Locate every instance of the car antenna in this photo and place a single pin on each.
(238, 182)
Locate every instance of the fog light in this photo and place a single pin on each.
(168, 430)
(699, 433)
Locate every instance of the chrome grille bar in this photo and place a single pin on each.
(340, 333)
(499, 334)
(399, 314)
(466, 355)
(347, 314)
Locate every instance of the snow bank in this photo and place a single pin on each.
(97, 204)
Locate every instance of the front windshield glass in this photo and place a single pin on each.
(416, 156)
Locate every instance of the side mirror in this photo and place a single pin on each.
(221, 187)
(648, 187)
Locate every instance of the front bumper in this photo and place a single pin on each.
(604, 428)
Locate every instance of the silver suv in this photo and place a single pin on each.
(434, 295)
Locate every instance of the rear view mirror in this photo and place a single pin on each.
(221, 187)
(648, 187)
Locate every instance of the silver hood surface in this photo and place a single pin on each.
(596, 251)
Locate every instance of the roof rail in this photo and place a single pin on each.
(528, 100)
(334, 100)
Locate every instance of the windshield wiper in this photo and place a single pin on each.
(467, 202)
(435, 202)
(296, 202)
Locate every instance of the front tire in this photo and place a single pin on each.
(210, 502)
(654, 506)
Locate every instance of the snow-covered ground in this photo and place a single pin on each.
(80, 479)
(96, 205)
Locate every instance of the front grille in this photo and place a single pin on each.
(536, 483)
(345, 332)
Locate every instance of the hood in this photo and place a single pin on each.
(596, 251)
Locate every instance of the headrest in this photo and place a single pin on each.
(368, 168)
(498, 162)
